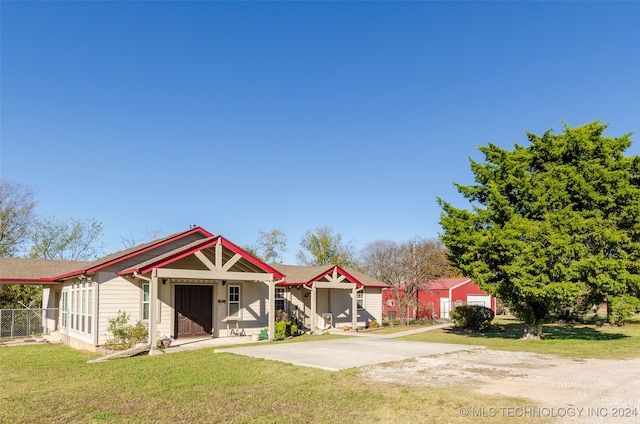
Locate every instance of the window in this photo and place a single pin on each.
(89, 307)
(281, 301)
(77, 307)
(458, 303)
(390, 302)
(145, 301)
(234, 302)
(63, 306)
(360, 299)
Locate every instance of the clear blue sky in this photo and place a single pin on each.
(240, 116)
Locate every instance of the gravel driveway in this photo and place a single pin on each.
(576, 390)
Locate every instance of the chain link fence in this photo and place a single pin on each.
(16, 323)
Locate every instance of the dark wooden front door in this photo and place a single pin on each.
(194, 310)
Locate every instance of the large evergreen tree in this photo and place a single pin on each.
(551, 225)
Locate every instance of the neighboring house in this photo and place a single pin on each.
(438, 298)
(191, 284)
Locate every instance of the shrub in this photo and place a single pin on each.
(472, 317)
(125, 335)
(285, 329)
(373, 324)
(621, 308)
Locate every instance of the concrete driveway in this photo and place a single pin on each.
(338, 354)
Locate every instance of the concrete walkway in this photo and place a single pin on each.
(367, 348)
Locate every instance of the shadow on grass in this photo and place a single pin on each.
(549, 332)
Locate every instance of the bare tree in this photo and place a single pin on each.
(131, 241)
(407, 267)
(16, 215)
(72, 240)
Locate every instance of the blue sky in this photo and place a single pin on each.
(240, 116)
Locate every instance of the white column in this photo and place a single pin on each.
(272, 310)
(153, 305)
(354, 308)
(314, 315)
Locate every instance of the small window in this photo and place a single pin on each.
(234, 302)
(64, 310)
(360, 299)
(458, 303)
(145, 301)
(390, 302)
(281, 301)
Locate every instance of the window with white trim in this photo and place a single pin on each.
(63, 306)
(280, 299)
(233, 302)
(360, 299)
(89, 307)
(145, 301)
(79, 303)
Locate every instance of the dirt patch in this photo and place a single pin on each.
(597, 386)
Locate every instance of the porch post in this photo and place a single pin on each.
(314, 317)
(272, 310)
(153, 304)
(354, 308)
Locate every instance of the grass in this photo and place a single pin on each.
(53, 383)
(397, 328)
(577, 341)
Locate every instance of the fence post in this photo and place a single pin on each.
(13, 320)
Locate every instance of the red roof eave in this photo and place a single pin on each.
(169, 259)
(342, 272)
(137, 252)
(257, 262)
(28, 280)
(209, 243)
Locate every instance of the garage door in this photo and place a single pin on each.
(476, 299)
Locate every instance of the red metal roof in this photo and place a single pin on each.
(130, 253)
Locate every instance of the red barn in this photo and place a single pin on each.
(438, 298)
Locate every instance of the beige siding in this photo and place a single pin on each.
(341, 307)
(373, 305)
(300, 306)
(116, 294)
(49, 320)
(253, 301)
(165, 310)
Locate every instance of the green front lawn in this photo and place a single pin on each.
(52, 383)
(579, 340)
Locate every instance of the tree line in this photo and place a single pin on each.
(552, 230)
(24, 233)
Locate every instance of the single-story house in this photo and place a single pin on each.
(438, 297)
(192, 284)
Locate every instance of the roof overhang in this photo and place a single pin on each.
(171, 257)
(135, 253)
(28, 281)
